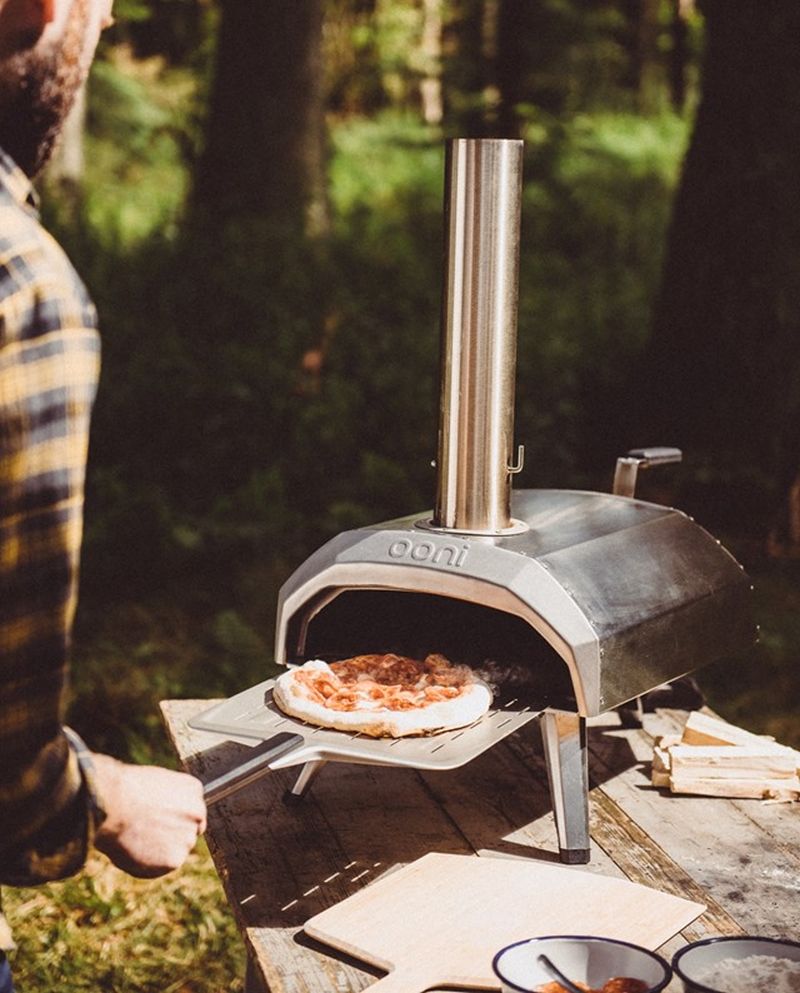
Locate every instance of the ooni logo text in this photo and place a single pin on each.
(429, 553)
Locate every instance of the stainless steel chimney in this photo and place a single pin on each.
(483, 186)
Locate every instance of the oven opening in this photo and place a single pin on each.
(503, 648)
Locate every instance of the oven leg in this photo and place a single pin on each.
(307, 775)
(566, 754)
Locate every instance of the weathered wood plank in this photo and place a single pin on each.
(644, 861)
(292, 964)
(780, 820)
(735, 857)
(501, 802)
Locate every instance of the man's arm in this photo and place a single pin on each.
(48, 371)
(49, 802)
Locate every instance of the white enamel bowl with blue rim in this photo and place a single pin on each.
(583, 959)
(699, 958)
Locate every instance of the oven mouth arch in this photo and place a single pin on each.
(299, 610)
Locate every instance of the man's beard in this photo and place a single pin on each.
(44, 89)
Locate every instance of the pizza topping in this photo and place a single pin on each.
(619, 984)
(392, 681)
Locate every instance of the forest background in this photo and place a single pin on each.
(252, 190)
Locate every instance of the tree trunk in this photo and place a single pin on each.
(68, 163)
(724, 360)
(264, 152)
(65, 170)
(515, 24)
(678, 53)
(466, 74)
(643, 56)
(431, 84)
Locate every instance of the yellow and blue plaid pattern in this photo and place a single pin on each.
(49, 362)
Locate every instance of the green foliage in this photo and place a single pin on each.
(353, 75)
(238, 638)
(379, 165)
(143, 128)
(760, 690)
(131, 11)
(178, 30)
(131, 655)
(594, 217)
(574, 56)
(398, 30)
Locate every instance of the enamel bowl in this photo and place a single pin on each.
(584, 959)
(725, 965)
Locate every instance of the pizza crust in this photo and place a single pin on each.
(372, 718)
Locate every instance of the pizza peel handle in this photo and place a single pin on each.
(415, 977)
(254, 766)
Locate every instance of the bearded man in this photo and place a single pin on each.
(56, 798)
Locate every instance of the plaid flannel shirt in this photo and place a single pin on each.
(49, 362)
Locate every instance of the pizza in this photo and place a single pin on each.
(383, 696)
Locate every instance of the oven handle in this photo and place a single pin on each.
(628, 467)
(253, 767)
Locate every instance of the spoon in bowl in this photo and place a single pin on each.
(556, 973)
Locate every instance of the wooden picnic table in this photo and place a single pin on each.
(282, 861)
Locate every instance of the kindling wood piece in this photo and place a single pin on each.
(713, 758)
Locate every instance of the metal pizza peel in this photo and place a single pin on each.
(286, 741)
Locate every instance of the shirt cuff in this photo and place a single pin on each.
(58, 844)
(94, 803)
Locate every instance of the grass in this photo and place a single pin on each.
(104, 930)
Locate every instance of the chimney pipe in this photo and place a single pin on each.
(483, 187)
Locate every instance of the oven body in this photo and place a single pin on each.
(592, 601)
(624, 594)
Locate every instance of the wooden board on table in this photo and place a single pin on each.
(441, 919)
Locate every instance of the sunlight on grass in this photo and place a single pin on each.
(643, 146)
(104, 930)
(376, 159)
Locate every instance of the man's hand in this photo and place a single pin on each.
(154, 816)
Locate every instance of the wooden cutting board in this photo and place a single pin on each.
(441, 919)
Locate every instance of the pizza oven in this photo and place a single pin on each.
(569, 602)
